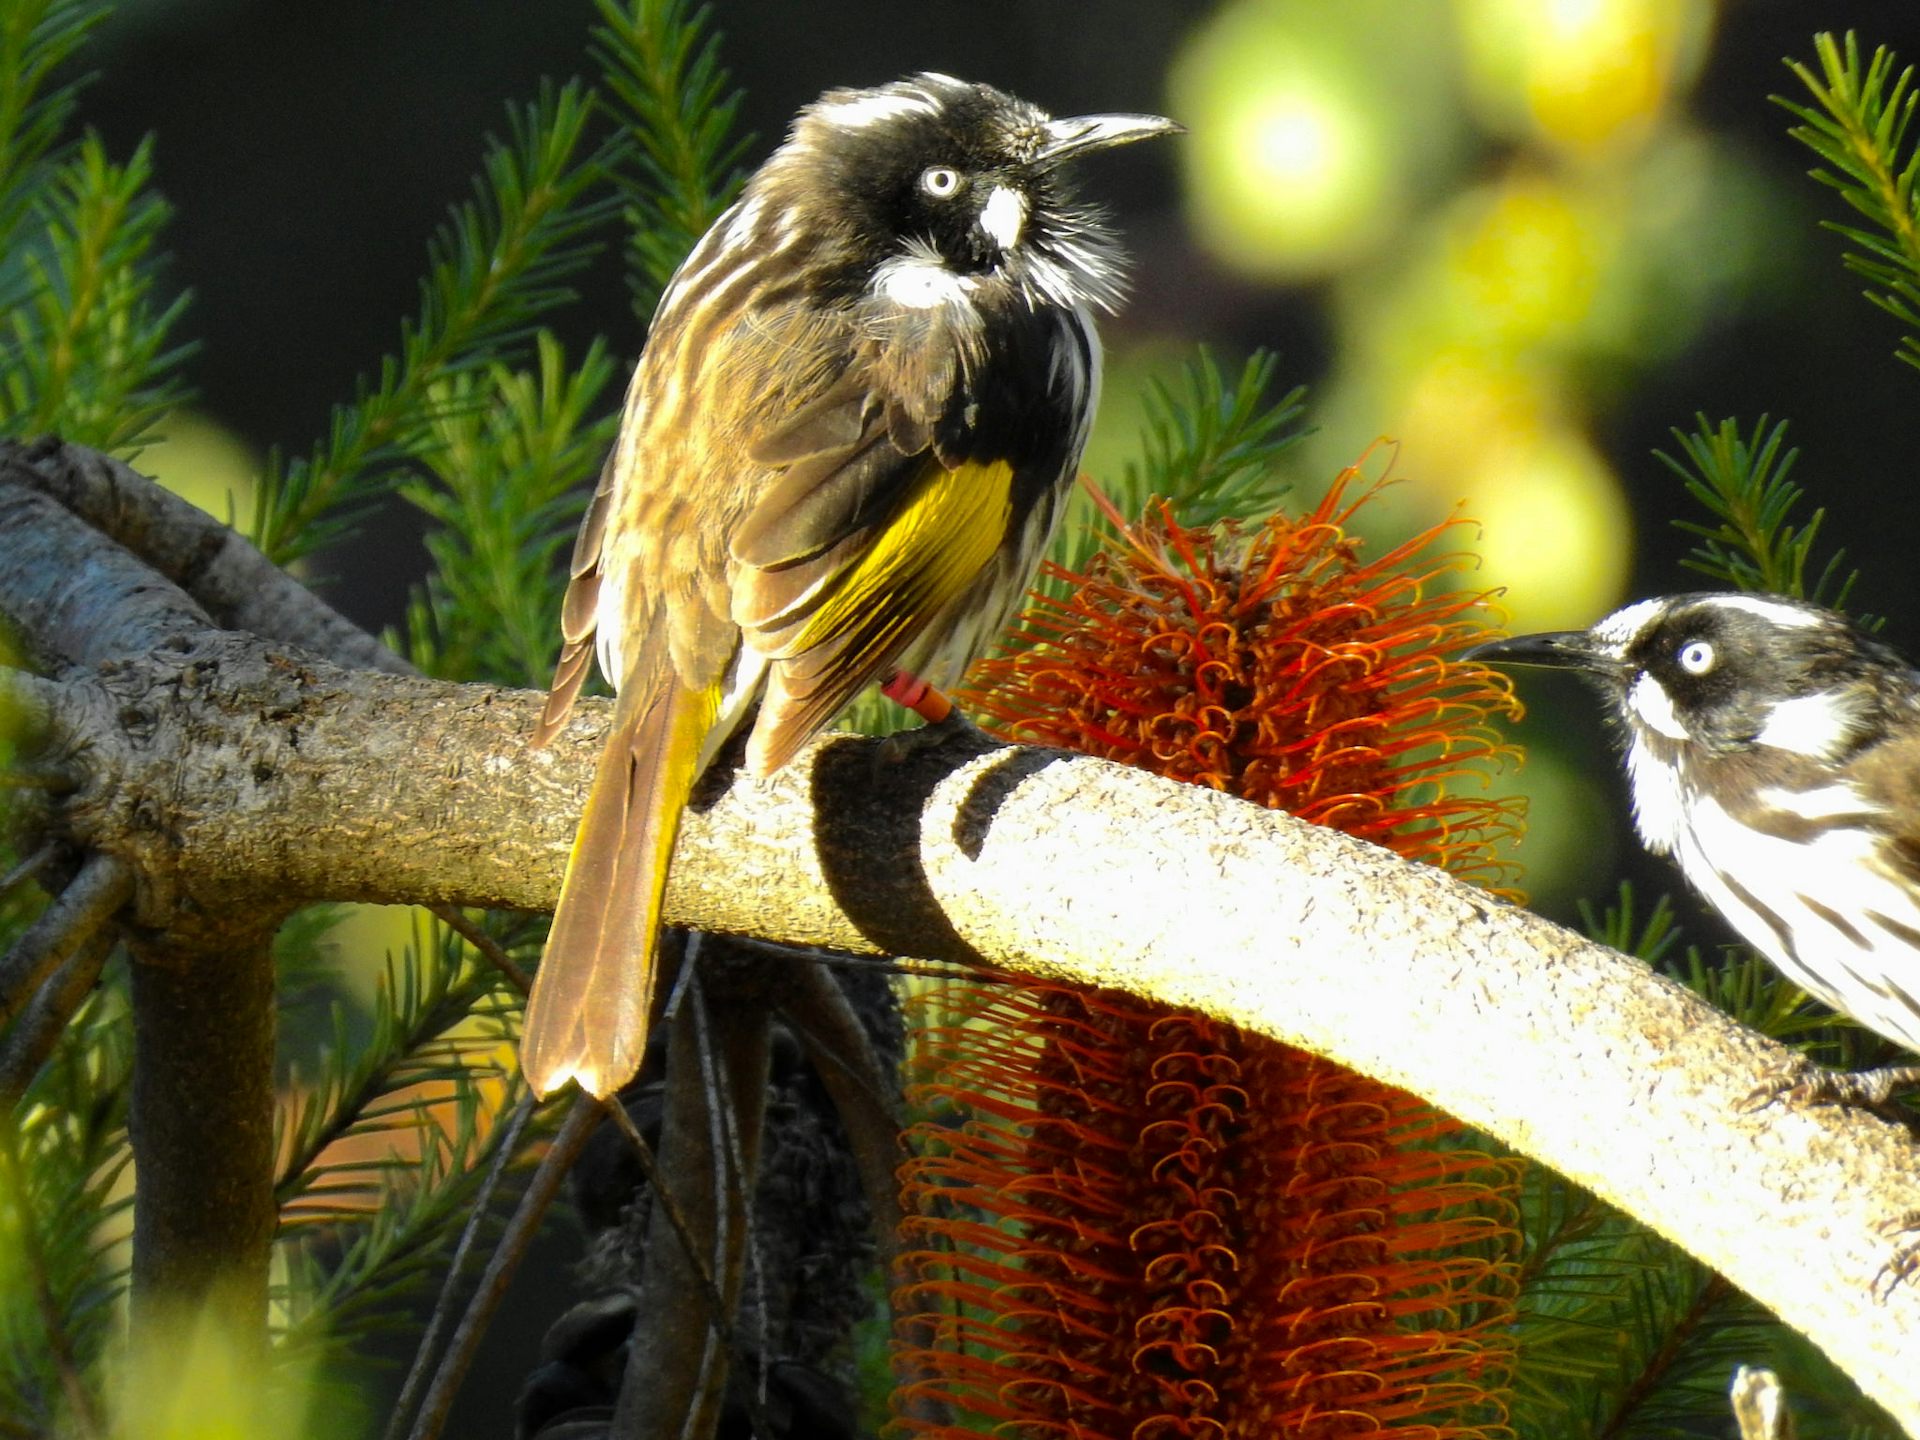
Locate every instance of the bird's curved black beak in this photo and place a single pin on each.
(1554, 650)
(1083, 134)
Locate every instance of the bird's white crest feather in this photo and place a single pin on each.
(1771, 611)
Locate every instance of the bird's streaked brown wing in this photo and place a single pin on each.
(882, 516)
(579, 609)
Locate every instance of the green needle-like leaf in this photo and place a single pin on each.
(661, 63)
(495, 269)
(1752, 543)
(1858, 126)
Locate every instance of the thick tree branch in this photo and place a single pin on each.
(256, 771)
(213, 564)
(201, 1117)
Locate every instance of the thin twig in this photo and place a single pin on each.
(684, 1087)
(492, 949)
(733, 1175)
(670, 1207)
(501, 1266)
(27, 868)
(509, 1141)
(856, 1082)
(103, 885)
(29, 1042)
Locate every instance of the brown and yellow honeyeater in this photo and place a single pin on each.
(863, 397)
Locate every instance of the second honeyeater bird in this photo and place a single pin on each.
(863, 397)
(1774, 751)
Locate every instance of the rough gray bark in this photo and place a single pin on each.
(202, 1110)
(230, 770)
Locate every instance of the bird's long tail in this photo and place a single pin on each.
(593, 998)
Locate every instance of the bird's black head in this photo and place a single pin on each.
(1731, 672)
(924, 187)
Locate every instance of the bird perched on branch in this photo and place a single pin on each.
(1773, 748)
(862, 399)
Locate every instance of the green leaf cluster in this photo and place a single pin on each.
(1752, 542)
(496, 268)
(383, 1151)
(1210, 445)
(1858, 126)
(662, 67)
(501, 477)
(483, 422)
(86, 328)
(64, 1219)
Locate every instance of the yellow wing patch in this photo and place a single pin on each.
(933, 548)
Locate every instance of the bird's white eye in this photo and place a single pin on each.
(940, 181)
(1697, 657)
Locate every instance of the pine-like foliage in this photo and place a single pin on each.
(497, 266)
(486, 424)
(1858, 125)
(1207, 447)
(86, 347)
(63, 1203)
(500, 475)
(1752, 542)
(662, 68)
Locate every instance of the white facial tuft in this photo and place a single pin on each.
(921, 282)
(1004, 216)
(1648, 704)
(1620, 629)
(1659, 799)
(1818, 726)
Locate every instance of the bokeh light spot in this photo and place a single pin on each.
(1583, 75)
(1300, 148)
(204, 463)
(1558, 531)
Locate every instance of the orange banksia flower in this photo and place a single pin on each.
(1127, 1221)
(1279, 665)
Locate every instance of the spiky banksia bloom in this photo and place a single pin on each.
(1126, 1221)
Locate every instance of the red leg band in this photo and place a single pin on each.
(908, 689)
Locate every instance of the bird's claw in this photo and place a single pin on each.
(1799, 1083)
(1904, 1261)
